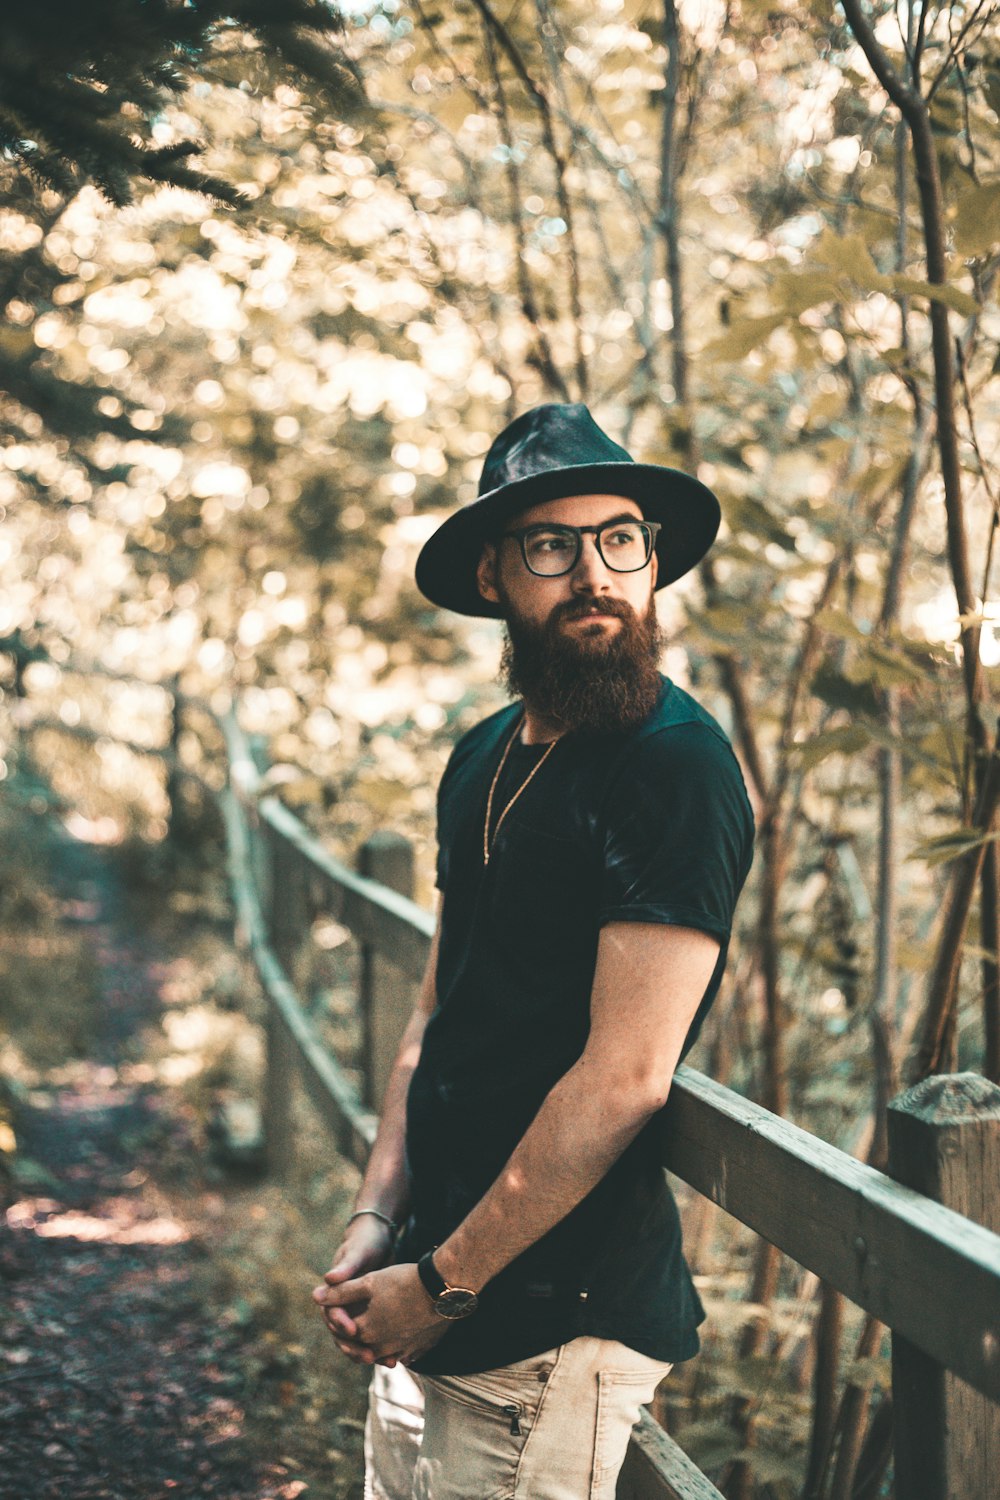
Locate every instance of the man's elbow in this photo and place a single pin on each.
(626, 1090)
(634, 1098)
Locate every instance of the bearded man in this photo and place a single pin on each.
(513, 1269)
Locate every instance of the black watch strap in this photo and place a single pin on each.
(434, 1282)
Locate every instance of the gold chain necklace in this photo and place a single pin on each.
(487, 845)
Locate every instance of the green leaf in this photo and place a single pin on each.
(825, 408)
(951, 296)
(979, 954)
(846, 740)
(773, 1469)
(737, 342)
(838, 691)
(34, 1177)
(721, 625)
(708, 1443)
(952, 845)
(836, 623)
(849, 255)
(753, 1373)
(887, 667)
(942, 747)
(793, 292)
(879, 479)
(991, 88)
(869, 1371)
(748, 513)
(977, 219)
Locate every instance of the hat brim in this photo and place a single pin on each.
(687, 510)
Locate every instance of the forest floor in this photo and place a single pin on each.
(156, 1336)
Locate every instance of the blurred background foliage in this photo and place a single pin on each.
(264, 319)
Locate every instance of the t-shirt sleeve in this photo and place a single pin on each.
(443, 841)
(678, 833)
(441, 876)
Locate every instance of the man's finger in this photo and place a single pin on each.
(352, 1352)
(357, 1352)
(339, 1271)
(338, 1322)
(360, 1356)
(339, 1295)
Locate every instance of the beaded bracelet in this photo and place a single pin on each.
(377, 1214)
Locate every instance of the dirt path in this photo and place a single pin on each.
(123, 1371)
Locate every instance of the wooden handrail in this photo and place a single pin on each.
(919, 1267)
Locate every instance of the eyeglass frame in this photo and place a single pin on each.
(520, 533)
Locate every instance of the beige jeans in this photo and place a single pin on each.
(553, 1427)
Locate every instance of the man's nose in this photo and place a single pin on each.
(591, 573)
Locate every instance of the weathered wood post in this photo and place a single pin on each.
(177, 821)
(260, 848)
(281, 894)
(288, 925)
(944, 1141)
(386, 997)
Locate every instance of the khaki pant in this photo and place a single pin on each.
(553, 1427)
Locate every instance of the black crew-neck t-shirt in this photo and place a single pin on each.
(653, 825)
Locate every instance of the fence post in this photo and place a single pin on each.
(286, 920)
(944, 1141)
(288, 924)
(177, 822)
(386, 997)
(260, 848)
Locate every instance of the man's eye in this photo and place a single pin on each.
(621, 538)
(550, 543)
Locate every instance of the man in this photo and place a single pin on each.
(593, 839)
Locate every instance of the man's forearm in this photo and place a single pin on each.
(583, 1126)
(384, 1186)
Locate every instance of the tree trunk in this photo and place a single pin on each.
(939, 1026)
(989, 938)
(668, 221)
(851, 1417)
(829, 1326)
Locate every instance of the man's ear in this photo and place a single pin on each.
(654, 563)
(486, 573)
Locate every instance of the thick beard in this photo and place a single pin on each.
(586, 682)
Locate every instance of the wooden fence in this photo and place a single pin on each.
(916, 1248)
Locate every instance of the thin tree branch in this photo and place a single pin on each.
(914, 110)
(667, 216)
(544, 357)
(538, 96)
(955, 43)
(938, 1022)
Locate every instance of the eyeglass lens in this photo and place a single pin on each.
(624, 546)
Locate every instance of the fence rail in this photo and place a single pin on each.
(901, 1246)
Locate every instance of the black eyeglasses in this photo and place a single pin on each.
(624, 546)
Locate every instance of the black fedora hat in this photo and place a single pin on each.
(549, 453)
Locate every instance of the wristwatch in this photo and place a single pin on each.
(449, 1301)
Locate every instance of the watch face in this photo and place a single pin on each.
(456, 1302)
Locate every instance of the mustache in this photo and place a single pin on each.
(579, 609)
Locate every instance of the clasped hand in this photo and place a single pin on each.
(376, 1316)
